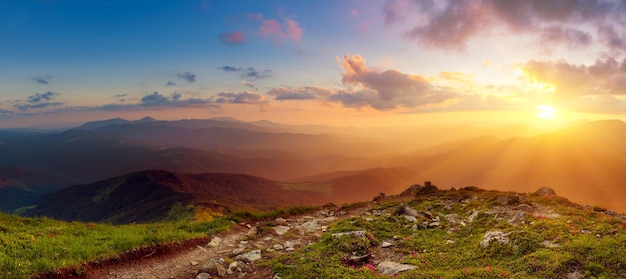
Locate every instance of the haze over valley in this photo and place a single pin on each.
(213, 165)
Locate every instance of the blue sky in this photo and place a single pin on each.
(313, 61)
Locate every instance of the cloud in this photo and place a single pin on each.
(170, 83)
(569, 80)
(37, 97)
(42, 80)
(154, 99)
(288, 30)
(248, 73)
(175, 96)
(299, 93)
(247, 83)
(570, 37)
(229, 69)
(234, 38)
(121, 95)
(187, 76)
(450, 24)
(37, 101)
(246, 97)
(387, 89)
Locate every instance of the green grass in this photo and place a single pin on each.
(34, 245)
(453, 250)
(248, 215)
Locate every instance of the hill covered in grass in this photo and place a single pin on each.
(422, 233)
(157, 195)
(467, 233)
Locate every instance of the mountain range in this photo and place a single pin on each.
(583, 161)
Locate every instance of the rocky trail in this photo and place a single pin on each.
(234, 253)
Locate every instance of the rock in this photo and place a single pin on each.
(427, 215)
(549, 244)
(221, 271)
(412, 190)
(239, 266)
(248, 226)
(434, 225)
(494, 236)
(252, 231)
(278, 247)
(280, 221)
(210, 266)
(309, 227)
(290, 249)
(518, 218)
(288, 244)
(215, 242)
(391, 268)
(280, 230)
(452, 218)
(359, 260)
(449, 241)
(238, 251)
(472, 216)
(250, 256)
(407, 210)
(359, 234)
(386, 244)
(203, 276)
(410, 218)
(545, 192)
(277, 277)
(194, 263)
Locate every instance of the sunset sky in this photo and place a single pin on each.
(308, 61)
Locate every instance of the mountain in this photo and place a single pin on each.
(88, 157)
(20, 187)
(157, 195)
(584, 162)
(362, 185)
(115, 121)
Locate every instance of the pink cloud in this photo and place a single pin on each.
(289, 30)
(233, 38)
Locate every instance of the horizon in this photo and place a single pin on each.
(69, 60)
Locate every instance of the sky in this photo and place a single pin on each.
(343, 61)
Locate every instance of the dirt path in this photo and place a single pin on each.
(230, 249)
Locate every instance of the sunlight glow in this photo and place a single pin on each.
(546, 112)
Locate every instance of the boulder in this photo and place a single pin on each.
(280, 230)
(215, 242)
(250, 256)
(497, 236)
(203, 275)
(545, 192)
(239, 266)
(391, 268)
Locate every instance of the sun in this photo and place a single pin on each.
(546, 112)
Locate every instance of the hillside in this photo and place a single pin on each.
(19, 187)
(156, 195)
(424, 233)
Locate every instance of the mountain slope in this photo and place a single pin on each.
(156, 195)
(19, 187)
(362, 185)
